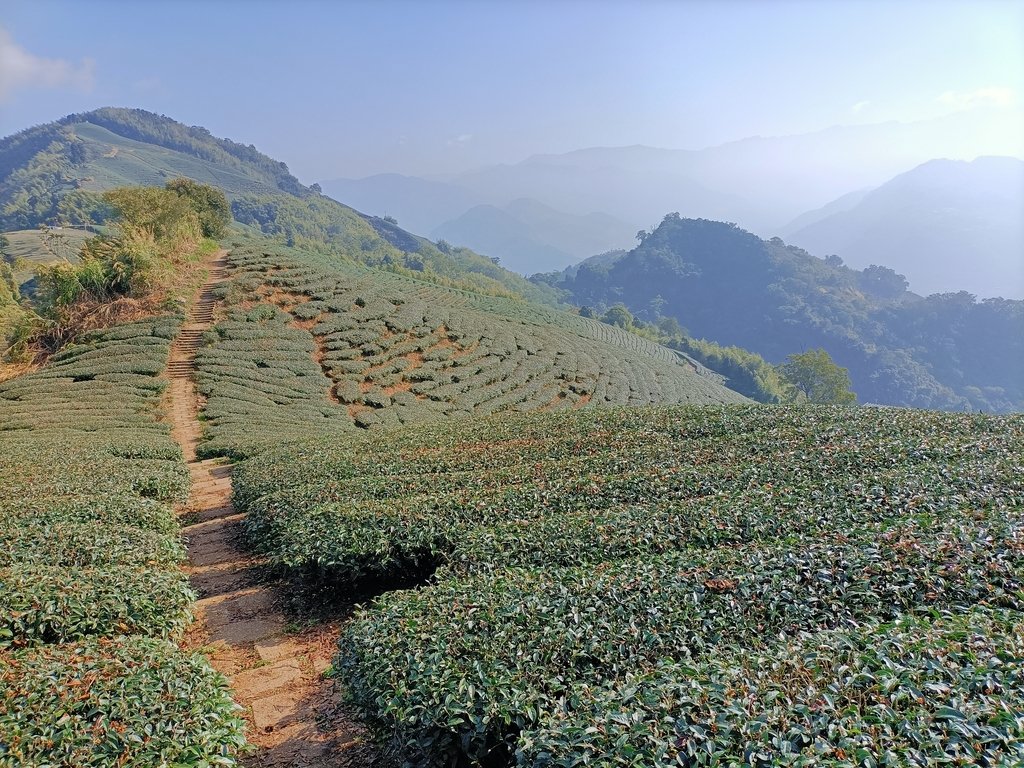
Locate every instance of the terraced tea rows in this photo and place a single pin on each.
(90, 586)
(673, 586)
(392, 350)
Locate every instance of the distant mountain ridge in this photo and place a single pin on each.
(947, 225)
(729, 286)
(759, 183)
(532, 237)
(111, 147)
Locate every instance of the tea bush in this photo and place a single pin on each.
(729, 585)
(127, 701)
(577, 488)
(90, 578)
(318, 344)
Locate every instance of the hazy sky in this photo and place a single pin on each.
(349, 89)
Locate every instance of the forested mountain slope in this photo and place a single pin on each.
(49, 172)
(945, 351)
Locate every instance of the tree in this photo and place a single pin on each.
(813, 377)
(618, 315)
(209, 203)
(882, 282)
(670, 327)
(657, 307)
(80, 208)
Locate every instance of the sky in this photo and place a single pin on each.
(348, 89)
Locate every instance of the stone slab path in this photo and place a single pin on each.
(275, 673)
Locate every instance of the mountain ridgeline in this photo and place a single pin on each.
(947, 225)
(946, 351)
(722, 284)
(51, 174)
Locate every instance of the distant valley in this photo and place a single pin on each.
(769, 186)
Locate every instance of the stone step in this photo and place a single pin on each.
(238, 633)
(238, 605)
(219, 512)
(229, 516)
(257, 683)
(277, 648)
(214, 553)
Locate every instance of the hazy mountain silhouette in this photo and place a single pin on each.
(532, 237)
(947, 225)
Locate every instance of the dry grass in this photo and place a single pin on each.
(178, 281)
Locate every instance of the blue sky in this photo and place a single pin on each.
(349, 89)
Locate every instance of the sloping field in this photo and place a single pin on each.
(32, 249)
(734, 585)
(116, 161)
(316, 343)
(91, 592)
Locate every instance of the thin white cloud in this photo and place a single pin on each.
(21, 69)
(462, 138)
(859, 107)
(994, 96)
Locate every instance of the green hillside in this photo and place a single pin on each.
(584, 549)
(109, 148)
(312, 342)
(945, 351)
(47, 173)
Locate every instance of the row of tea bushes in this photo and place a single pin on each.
(673, 586)
(391, 350)
(567, 489)
(943, 689)
(90, 583)
(261, 385)
(521, 639)
(122, 701)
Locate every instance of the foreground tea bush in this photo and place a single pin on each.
(513, 642)
(672, 586)
(939, 690)
(90, 477)
(90, 578)
(577, 488)
(127, 702)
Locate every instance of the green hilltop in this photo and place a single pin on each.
(700, 581)
(48, 172)
(947, 351)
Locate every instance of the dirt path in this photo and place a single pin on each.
(275, 672)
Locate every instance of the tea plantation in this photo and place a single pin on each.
(316, 343)
(91, 593)
(731, 585)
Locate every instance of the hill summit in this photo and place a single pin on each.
(946, 351)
